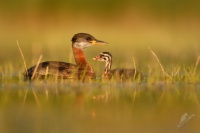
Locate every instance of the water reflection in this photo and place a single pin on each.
(95, 106)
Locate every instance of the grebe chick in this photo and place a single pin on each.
(118, 73)
(82, 69)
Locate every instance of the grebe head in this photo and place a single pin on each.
(83, 40)
(104, 56)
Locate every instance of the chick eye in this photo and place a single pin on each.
(105, 58)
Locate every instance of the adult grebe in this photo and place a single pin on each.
(82, 69)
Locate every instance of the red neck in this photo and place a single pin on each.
(79, 57)
(82, 62)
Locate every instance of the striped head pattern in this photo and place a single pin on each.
(106, 57)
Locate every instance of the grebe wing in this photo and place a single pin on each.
(54, 68)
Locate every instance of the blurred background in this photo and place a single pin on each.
(170, 28)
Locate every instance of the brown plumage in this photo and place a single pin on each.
(118, 73)
(82, 69)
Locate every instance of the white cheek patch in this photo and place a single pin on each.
(81, 45)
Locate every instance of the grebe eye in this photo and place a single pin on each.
(88, 39)
(105, 58)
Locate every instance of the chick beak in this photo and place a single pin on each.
(96, 58)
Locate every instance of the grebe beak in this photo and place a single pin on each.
(97, 42)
